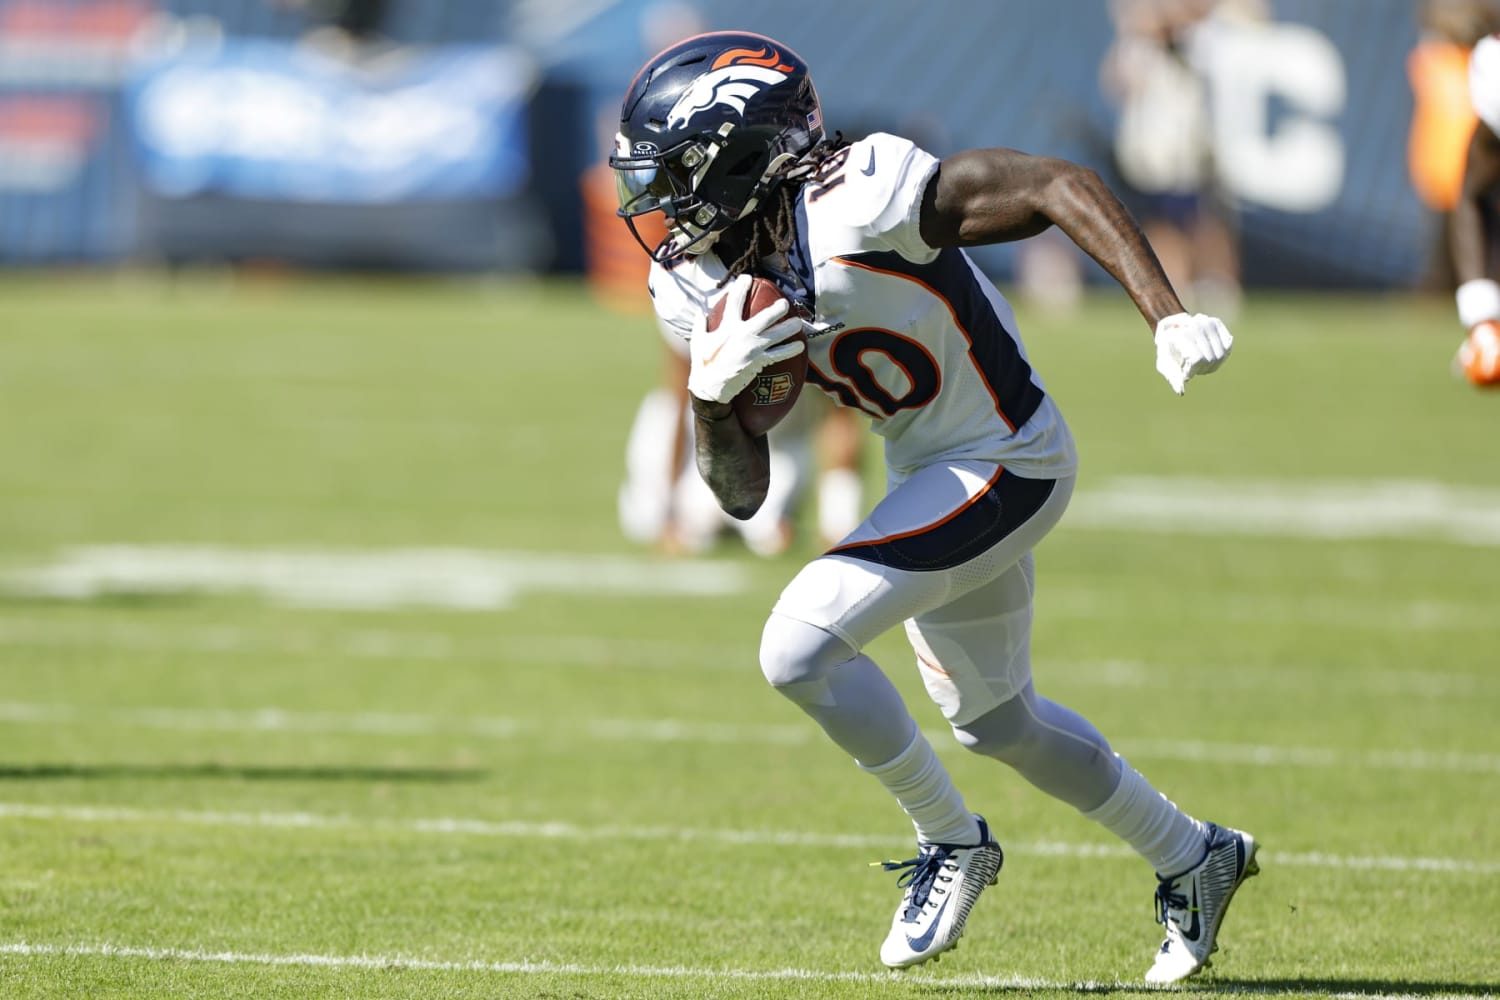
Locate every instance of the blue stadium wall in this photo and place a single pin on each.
(1019, 73)
(1025, 74)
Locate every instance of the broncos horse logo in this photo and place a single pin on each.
(736, 76)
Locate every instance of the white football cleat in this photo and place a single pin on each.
(1192, 905)
(941, 882)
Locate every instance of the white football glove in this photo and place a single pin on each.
(1190, 345)
(724, 361)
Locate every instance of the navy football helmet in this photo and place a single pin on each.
(708, 129)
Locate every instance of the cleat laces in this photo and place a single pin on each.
(1168, 899)
(921, 878)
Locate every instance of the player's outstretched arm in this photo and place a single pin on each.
(996, 195)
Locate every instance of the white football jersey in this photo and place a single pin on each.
(1484, 81)
(916, 338)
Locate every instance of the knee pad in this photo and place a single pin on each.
(792, 651)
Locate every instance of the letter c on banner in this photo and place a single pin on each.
(1298, 167)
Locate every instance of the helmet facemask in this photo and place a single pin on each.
(671, 182)
(667, 181)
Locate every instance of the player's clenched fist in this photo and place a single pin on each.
(1190, 345)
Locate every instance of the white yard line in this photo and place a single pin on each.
(397, 724)
(30, 949)
(385, 962)
(563, 830)
(488, 580)
(369, 580)
(1325, 510)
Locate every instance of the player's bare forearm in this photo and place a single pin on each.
(997, 195)
(735, 465)
(1473, 214)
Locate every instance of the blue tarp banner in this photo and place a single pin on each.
(274, 121)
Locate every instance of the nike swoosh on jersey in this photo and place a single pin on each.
(920, 944)
(868, 171)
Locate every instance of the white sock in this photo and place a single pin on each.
(1168, 838)
(921, 784)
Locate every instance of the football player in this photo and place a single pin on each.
(723, 134)
(662, 500)
(1478, 356)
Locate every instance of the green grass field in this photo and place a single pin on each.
(549, 767)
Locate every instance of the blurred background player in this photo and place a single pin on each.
(1163, 144)
(1474, 230)
(663, 501)
(1443, 119)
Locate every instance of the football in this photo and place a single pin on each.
(767, 400)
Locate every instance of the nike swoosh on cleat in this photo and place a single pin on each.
(1191, 932)
(920, 944)
(870, 170)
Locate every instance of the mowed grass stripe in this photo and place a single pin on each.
(1065, 601)
(651, 655)
(563, 830)
(392, 724)
(380, 418)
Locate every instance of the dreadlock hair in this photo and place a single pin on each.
(772, 227)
